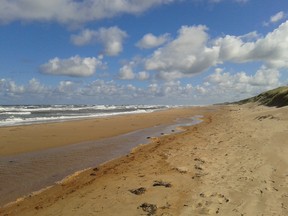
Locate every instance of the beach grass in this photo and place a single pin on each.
(276, 97)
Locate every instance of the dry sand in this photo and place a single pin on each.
(233, 163)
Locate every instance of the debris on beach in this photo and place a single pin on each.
(149, 208)
(161, 183)
(138, 191)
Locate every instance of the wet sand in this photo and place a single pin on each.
(26, 172)
(43, 168)
(233, 163)
(21, 139)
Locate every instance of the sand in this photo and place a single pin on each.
(20, 139)
(233, 163)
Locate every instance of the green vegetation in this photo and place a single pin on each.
(277, 97)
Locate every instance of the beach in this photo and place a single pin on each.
(232, 163)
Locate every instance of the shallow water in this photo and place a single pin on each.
(24, 173)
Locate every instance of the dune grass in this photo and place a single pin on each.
(276, 97)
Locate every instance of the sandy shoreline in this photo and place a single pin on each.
(43, 163)
(20, 139)
(233, 163)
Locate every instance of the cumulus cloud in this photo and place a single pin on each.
(35, 87)
(111, 38)
(65, 91)
(188, 54)
(126, 72)
(111, 91)
(240, 85)
(12, 91)
(10, 88)
(66, 87)
(72, 11)
(192, 51)
(271, 49)
(220, 86)
(74, 66)
(85, 37)
(233, 48)
(150, 41)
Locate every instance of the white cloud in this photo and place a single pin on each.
(193, 52)
(35, 87)
(111, 38)
(188, 54)
(10, 88)
(143, 75)
(74, 66)
(150, 41)
(72, 11)
(66, 87)
(271, 49)
(171, 89)
(233, 48)
(267, 77)
(240, 85)
(275, 18)
(12, 91)
(126, 72)
(220, 86)
(110, 91)
(250, 36)
(85, 37)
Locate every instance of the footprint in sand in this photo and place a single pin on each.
(150, 209)
(162, 183)
(210, 203)
(138, 191)
(199, 168)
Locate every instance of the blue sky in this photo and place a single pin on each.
(186, 52)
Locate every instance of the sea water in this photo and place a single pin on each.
(11, 115)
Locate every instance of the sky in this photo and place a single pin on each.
(174, 52)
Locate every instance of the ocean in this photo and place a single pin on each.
(11, 115)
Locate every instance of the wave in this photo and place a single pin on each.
(74, 108)
(15, 113)
(32, 114)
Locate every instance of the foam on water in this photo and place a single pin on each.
(31, 114)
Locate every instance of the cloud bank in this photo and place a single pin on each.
(220, 86)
